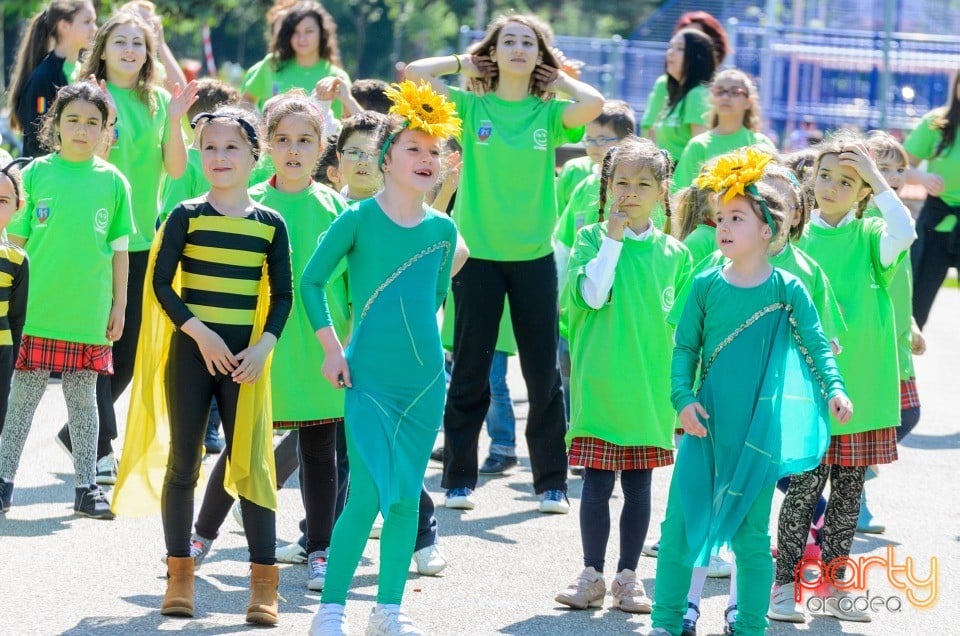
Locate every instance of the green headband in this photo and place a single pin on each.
(390, 139)
(755, 195)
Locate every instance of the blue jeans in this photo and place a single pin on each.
(501, 423)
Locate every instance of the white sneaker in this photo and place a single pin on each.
(460, 499)
(554, 502)
(840, 605)
(718, 568)
(237, 513)
(389, 620)
(330, 620)
(377, 528)
(292, 553)
(107, 470)
(429, 560)
(783, 605)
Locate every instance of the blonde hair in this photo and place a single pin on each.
(147, 77)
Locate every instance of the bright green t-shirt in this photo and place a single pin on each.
(263, 81)
(901, 293)
(508, 147)
(620, 354)
(506, 341)
(655, 101)
(702, 242)
(672, 129)
(708, 145)
(583, 209)
(922, 143)
(190, 185)
(571, 174)
(298, 390)
(138, 153)
(73, 211)
(850, 257)
(263, 171)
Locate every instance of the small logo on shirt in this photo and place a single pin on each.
(484, 131)
(667, 299)
(100, 220)
(43, 211)
(540, 139)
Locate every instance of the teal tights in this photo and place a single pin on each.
(352, 530)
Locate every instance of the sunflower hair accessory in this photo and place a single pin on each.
(422, 108)
(737, 173)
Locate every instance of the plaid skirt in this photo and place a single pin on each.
(909, 398)
(286, 425)
(591, 452)
(47, 354)
(863, 449)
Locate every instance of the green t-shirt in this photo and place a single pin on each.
(73, 211)
(655, 101)
(509, 147)
(298, 391)
(901, 293)
(138, 153)
(708, 145)
(571, 174)
(850, 257)
(922, 143)
(190, 185)
(506, 341)
(263, 81)
(71, 70)
(620, 354)
(672, 129)
(702, 242)
(583, 209)
(263, 171)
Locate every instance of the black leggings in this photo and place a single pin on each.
(909, 418)
(595, 516)
(189, 389)
(932, 254)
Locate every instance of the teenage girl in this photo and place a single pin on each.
(400, 255)
(75, 226)
(753, 332)
(146, 140)
(690, 66)
(512, 129)
(303, 51)
(862, 255)
(623, 279)
(39, 72)
(209, 271)
(734, 123)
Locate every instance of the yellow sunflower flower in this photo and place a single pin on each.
(734, 172)
(424, 109)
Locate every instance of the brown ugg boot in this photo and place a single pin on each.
(264, 581)
(178, 601)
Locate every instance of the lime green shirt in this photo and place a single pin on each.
(263, 80)
(655, 101)
(192, 183)
(138, 153)
(672, 128)
(620, 354)
(582, 209)
(508, 147)
(298, 390)
(702, 242)
(708, 145)
(571, 174)
(73, 211)
(922, 143)
(850, 257)
(506, 341)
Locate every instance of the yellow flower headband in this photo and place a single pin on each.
(422, 108)
(737, 173)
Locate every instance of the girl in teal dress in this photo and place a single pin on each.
(754, 411)
(400, 255)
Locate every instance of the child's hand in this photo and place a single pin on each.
(115, 323)
(918, 344)
(571, 67)
(618, 220)
(252, 361)
(454, 163)
(548, 78)
(477, 66)
(335, 369)
(181, 100)
(216, 354)
(111, 105)
(858, 157)
(330, 88)
(691, 422)
(933, 183)
(841, 408)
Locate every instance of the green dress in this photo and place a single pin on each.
(765, 371)
(398, 279)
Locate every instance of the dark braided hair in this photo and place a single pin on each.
(642, 153)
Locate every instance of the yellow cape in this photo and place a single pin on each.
(250, 473)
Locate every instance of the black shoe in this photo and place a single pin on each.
(497, 464)
(577, 471)
(690, 625)
(92, 502)
(437, 454)
(63, 441)
(6, 495)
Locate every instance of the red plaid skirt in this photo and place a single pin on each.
(47, 354)
(284, 424)
(591, 452)
(909, 398)
(863, 449)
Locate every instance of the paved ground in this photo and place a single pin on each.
(62, 574)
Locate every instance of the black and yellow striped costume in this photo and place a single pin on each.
(14, 275)
(221, 263)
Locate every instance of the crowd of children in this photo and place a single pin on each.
(673, 300)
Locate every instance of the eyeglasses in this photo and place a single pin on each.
(719, 91)
(599, 141)
(356, 154)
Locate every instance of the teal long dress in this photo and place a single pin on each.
(399, 277)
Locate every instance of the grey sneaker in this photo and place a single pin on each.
(6, 495)
(199, 548)
(316, 570)
(92, 502)
(107, 470)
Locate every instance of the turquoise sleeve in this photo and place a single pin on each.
(336, 244)
(688, 342)
(813, 343)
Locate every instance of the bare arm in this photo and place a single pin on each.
(587, 101)
(460, 255)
